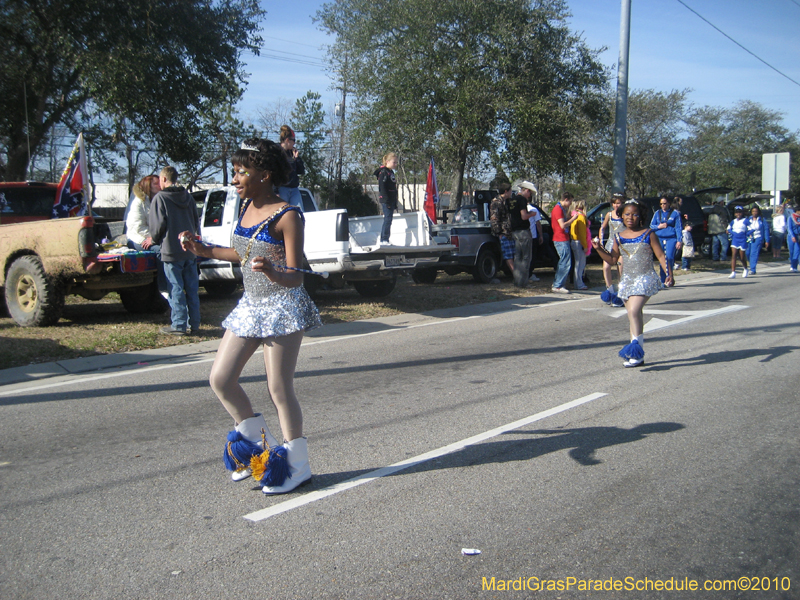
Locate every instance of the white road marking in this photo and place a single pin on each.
(288, 505)
(688, 315)
(656, 323)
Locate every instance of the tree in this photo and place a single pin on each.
(156, 63)
(656, 126)
(451, 77)
(725, 146)
(308, 119)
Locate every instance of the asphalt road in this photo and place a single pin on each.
(522, 435)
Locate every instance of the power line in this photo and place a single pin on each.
(270, 37)
(738, 44)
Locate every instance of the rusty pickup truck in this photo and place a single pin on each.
(42, 260)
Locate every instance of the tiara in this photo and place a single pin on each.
(246, 146)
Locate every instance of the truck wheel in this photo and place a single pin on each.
(220, 289)
(33, 298)
(143, 299)
(375, 289)
(424, 275)
(485, 268)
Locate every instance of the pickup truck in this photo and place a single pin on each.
(345, 248)
(44, 259)
(477, 251)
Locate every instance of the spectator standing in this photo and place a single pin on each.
(579, 243)
(173, 211)
(561, 225)
(387, 192)
(519, 217)
(757, 236)
(718, 220)
(501, 226)
(666, 223)
(778, 236)
(688, 247)
(291, 191)
(535, 223)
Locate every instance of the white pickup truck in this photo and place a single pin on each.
(345, 248)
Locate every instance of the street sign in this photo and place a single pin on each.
(775, 172)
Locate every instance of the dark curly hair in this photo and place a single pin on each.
(269, 157)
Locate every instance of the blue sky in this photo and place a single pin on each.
(670, 49)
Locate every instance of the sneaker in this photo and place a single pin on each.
(745, 273)
(560, 290)
(533, 278)
(793, 270)
(582, 287)
(170, 331)
(633, 362)
(732, 275)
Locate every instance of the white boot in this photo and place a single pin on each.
(251, 431)
(299, 468)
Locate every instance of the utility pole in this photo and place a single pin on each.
(621, 119)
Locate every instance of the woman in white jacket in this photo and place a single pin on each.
(137, 229)
(136, 220)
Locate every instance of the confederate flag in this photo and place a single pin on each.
(71, 193)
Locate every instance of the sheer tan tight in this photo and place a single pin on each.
(280, 360)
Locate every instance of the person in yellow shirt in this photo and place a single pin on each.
(579, 243)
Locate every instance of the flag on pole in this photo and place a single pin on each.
(431, 193)
(71, 195)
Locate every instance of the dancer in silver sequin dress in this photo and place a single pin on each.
(636, 245)
(613, 222)
(273, 313)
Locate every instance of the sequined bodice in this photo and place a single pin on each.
(257, 284)
(615, 225)
(636, 253)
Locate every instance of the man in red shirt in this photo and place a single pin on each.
(561, 223)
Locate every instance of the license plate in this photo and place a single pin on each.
(394, 261)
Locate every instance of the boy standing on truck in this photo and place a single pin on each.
(172, 211)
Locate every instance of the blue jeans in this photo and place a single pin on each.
(386, 230)
(291, 195)
(161, 278)
(668, 244)
(719, 246)
(184, 298)
(564, 261)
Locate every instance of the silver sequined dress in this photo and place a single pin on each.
(614, 227)
(268, 309)
(638, 276)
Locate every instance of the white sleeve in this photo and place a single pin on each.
(138, 230)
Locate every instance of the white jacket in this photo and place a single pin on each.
(136, 223)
